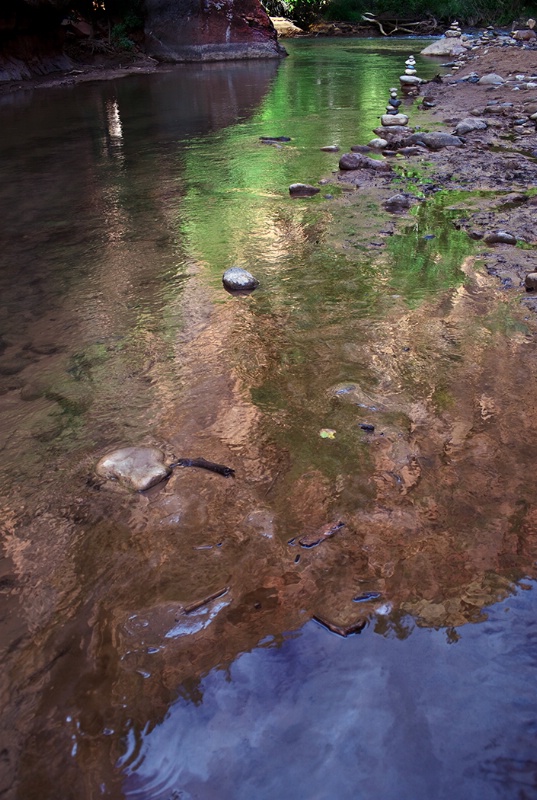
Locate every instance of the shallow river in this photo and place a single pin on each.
(179, 643)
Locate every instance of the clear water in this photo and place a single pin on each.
(122, 204)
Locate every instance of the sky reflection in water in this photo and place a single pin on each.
(320, 717)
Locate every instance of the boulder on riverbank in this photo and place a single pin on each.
(218, 30)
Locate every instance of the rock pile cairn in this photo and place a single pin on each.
(454, 31)
(410, 82)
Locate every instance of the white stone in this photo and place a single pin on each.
(138, 468)
(378, 144)
(491, 79)
(410, 80)
(393, 119)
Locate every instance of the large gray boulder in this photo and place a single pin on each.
(215, 30)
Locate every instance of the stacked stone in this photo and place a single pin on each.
(392, 122)
(454, 31)
(409, 81)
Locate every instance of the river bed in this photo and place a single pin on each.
(180, 643)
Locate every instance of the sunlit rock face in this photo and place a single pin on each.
(215, 30)
(31, 39)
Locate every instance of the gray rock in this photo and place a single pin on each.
(237, 279)
(303, 190)
(378, 144)
(362, 148)
(350, 161)
(330, 148)
(530, 282)
(392, 130)
(389, 120)
(137, 468)
(470, 124)
(435, 140)
(491, 79)
(499, 237)
(399, 202)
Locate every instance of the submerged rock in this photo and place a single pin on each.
(303, 190)
(138, 468)
(237, 279)
(398, 202)
(330, 148)
(350, 161)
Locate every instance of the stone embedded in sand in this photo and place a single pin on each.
(236, 279)
(303, 190)
(435, 140)
(470, 124)
(350, 161)
(137, 468)
(491, 79)
(388, 120)
(499, 237)
(530, 281)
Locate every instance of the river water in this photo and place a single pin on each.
(179, 643)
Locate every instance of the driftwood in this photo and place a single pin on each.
(424, 26)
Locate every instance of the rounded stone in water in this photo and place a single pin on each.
(138, 468)
(237, 279)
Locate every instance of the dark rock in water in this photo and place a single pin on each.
(275, 138)
(313, 539)
(236, 279)
(393, 101)
(436, 140)
(303, 190)
(499, 237)
(362, 148)
(138, 468)
(366, 597)
(530, 281)
(399, 202)
(350, 161)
